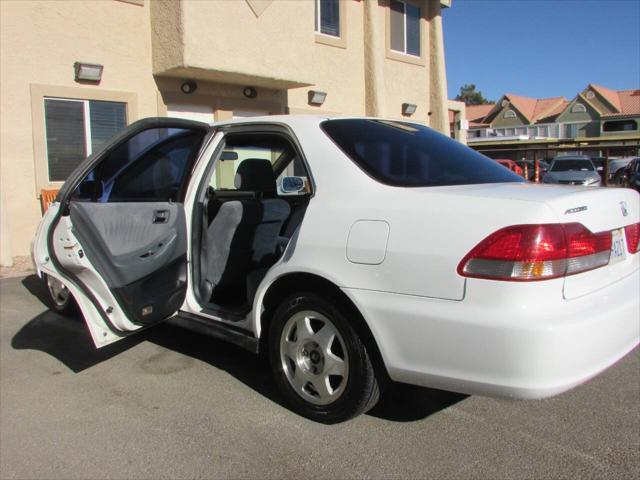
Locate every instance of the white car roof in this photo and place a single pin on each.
(295, 120)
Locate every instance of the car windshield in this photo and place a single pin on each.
(572, 165)
(410, 155)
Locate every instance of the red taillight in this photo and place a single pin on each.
(632, 232)
(537, 252)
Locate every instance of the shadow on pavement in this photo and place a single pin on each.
(69, 341)
(408, 403)
(36, 287)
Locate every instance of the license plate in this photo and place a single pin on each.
(618, 248)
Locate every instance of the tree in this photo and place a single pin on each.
(470, 96)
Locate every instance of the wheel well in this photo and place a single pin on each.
(306, 282)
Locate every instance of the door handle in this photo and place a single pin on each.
(160, 216)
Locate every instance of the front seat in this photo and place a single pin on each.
(244, 235)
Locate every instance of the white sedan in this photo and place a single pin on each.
(351, 250)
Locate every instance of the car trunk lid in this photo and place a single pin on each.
(481, 210)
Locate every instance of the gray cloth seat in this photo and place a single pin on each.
(244, 235)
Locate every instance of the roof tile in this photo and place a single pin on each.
(610, 96)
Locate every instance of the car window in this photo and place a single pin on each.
(576, 165)
(410, 155)
(150, 166)
(274, 148)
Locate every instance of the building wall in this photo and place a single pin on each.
(597, 100)
(619, 132)
(500, 121)
(187, 42)
(149, 48)
(569, 116)
(590, 129)
(39, 43)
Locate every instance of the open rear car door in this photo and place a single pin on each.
(118, 239)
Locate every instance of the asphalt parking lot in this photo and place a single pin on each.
(172, 404)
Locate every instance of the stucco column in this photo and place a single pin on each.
(439, 119)
(5, 242)
(374, 50)
(460, 125)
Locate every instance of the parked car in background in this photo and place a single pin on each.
(617, 169)
(511, 165)
(631, 175)
(573, 170)
(351, 251)
(598, 162)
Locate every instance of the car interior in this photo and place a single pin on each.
(127, 214)
(248, 208)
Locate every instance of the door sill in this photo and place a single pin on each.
(229, 333)
(229, 314)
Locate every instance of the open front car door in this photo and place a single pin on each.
(117, 236)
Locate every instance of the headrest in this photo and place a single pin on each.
(255, 175)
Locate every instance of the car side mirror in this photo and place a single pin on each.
(292, 184)
(600, 169)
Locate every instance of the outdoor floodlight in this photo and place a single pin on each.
(88, 72)
(409, 109)
(317, 97)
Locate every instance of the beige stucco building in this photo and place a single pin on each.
(244, 57)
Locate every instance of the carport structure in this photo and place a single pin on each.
(545, 149)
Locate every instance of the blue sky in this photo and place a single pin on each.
(542, 48)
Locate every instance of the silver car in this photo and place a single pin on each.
(573, 170)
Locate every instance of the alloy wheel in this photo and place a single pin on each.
(314, 357)
(58, 292)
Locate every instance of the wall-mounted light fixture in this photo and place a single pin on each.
(189, 87)
(317, 97)
(250, 92)
(409, 109)
(88, 72)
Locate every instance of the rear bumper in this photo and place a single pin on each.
(519, 340)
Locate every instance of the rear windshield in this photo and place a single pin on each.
(572, 165)
(410, 155)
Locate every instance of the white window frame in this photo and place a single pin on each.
(509, 114)
(87, 125)
(318, 26)
(578, 108)
(404, 37)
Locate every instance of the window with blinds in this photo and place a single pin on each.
(76, 128)
(328, 17)
(404, 26)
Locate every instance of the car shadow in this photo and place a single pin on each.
(409, 403)
(64, 338)
(69, 341)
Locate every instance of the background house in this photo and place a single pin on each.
(205, 60)
(598, 121)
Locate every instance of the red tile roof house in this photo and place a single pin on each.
(596, 111)
(598, 121)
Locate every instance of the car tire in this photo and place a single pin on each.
(59, 297)
(318, 361)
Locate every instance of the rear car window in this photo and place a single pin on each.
(571, 165)
(410, 155)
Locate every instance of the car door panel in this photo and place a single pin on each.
(119, 238)
(139, 257)
(124, 242)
